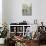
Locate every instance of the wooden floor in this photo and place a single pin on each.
(32, 45)
(36, 44)
(1, 45)
(42, 45)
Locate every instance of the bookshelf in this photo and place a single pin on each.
(18, 29)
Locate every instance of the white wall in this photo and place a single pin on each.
(13, 11)
(0, 13)
(5, 13)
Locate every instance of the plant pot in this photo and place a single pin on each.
(2, 40)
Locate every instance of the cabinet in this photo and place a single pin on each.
(21, 29)
(18, 29)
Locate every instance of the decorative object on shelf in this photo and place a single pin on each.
(23, 23)
(42, 23)
(26, 9)
(41, 28)
(4, 32)
(36, 35)
(28, 33)
(35, 21)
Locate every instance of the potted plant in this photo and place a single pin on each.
(3, 34)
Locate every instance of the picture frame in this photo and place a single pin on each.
(26, 10)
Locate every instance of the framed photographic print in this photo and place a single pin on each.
(27, 10)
